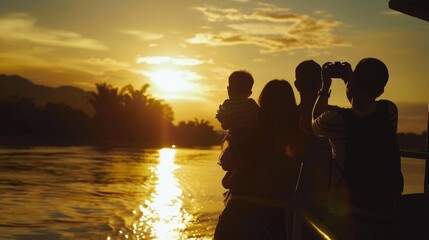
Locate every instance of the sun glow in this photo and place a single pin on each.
(173, 81)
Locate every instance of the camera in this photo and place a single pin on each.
(336, 70)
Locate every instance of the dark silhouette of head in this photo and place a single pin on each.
(278, 106)
(369, 78)
(308, 77)
(240, 84)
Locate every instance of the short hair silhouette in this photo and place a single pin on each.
(240, 82)
(308, 76)
(371, 75)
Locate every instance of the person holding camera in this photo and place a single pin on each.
(366, 174)
(314, 183)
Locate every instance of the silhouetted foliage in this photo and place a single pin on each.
(22, 122)
(198, 131)
(124, 117)
(148, 120)
(108, 106)
(133, 117)
(32, 114)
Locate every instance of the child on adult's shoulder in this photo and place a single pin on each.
(237, 114)
(239, 111)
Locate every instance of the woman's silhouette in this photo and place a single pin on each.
(267, 174)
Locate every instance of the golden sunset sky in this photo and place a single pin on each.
(186, 49)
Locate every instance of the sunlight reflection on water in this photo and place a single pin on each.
(162, 217)
(114, 194)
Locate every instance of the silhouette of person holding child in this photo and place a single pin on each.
(266, 174)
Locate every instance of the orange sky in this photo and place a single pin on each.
(186, 49)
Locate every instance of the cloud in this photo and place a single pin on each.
(268, 26)
(107, 62)
(269, 7)
(122, 77)
(267, 12)
(217, 14)
(144, 36)
(22, 27)
(182, 61)
(259, 60)
(391, 12)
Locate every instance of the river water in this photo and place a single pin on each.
(87, 193)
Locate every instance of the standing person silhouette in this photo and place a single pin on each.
(367, 176)
(314, 182)
(266, 179)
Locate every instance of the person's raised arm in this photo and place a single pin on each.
(324, 93)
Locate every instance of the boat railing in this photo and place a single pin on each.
(416, 8)
(301, 213)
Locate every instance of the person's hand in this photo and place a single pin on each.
(220, 115)
(326, 77)
(348, 72)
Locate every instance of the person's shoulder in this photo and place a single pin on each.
(334, 113)
(227, 104)
(252, 101)
(385, 101)
(330, 124)
(392, 108)
(335, 108)
(333, 116)
(329, 120)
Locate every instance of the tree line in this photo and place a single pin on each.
(123, 117)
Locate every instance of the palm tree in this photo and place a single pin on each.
(148, 120)
(108, 106)
(196, 133)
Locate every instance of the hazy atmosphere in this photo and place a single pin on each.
(110, 116)
(186, 49)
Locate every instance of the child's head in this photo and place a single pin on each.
(240, 84)
(369, 77)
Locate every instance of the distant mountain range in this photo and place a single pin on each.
(13, 85)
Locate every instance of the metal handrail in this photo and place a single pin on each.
(315, 225)
(318, 227)
(415, 153)
(423, 155)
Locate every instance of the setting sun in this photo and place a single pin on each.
(173, 81)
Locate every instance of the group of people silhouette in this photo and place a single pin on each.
(342, 164)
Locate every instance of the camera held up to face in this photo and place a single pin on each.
(336, 69)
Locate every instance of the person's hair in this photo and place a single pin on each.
(308, 76)
(372, 75)
(278, 113)
(240, 82)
